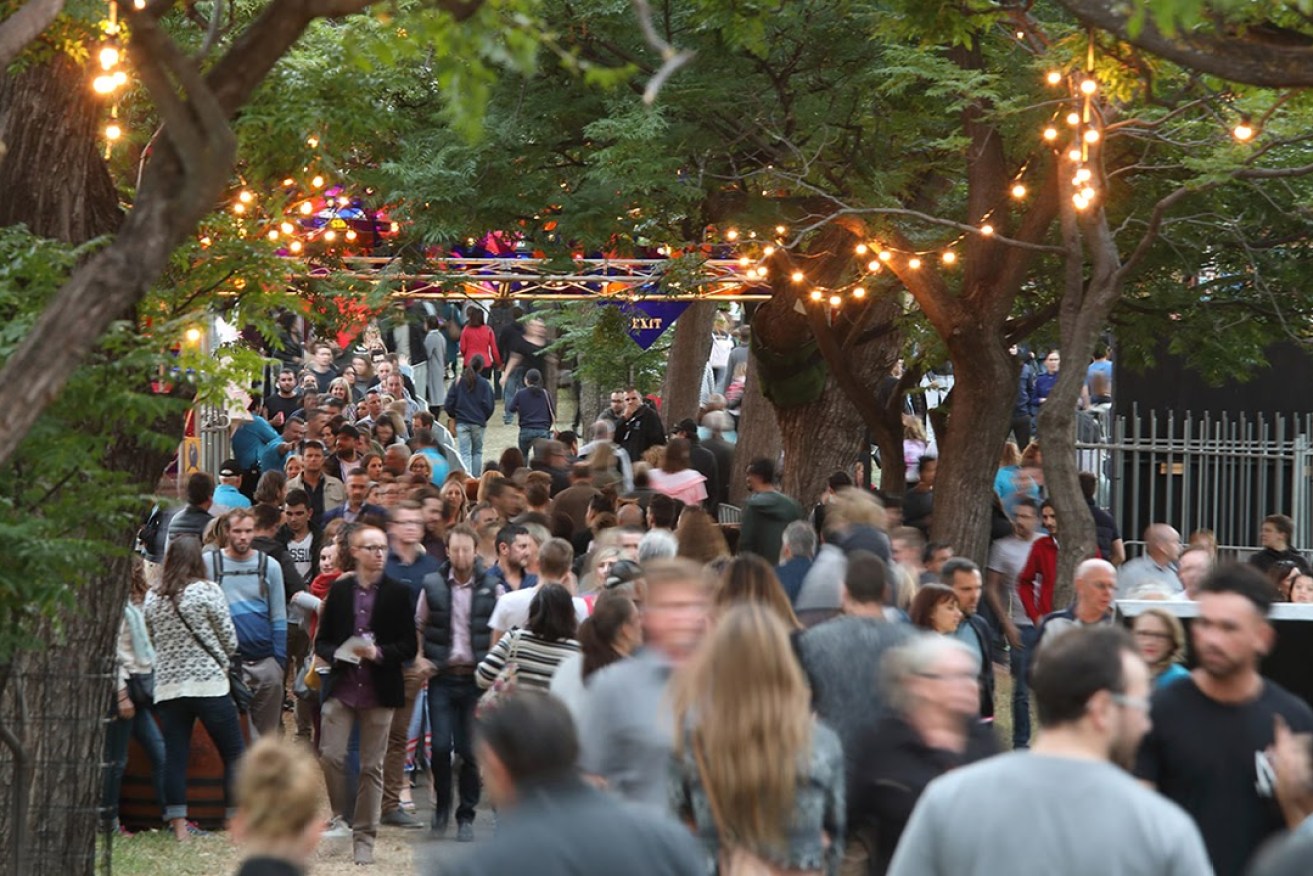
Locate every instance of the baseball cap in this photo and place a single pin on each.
(230, 469)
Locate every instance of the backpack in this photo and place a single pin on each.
(260, 567)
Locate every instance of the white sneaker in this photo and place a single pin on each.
(337, 829)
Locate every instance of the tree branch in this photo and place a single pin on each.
(25, 25)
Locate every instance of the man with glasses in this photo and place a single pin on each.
(408, 563)
(1070, 807)
(616, 412)
(1213, 732)
(1096, 587)
(365, 686)
(639, 427)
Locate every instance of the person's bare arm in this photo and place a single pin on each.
(996, 593)
(1118, 553)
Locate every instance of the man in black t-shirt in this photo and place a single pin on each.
(1208, 747)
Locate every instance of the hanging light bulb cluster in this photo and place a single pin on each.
(1085, 132)
(110, 78)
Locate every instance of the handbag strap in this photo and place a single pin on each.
(182, 617)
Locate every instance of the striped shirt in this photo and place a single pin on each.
(535, 659)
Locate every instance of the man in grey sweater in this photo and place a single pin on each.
(842, 656)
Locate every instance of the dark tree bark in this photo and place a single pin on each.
(759, 433)
(687, 360)
(52, 174)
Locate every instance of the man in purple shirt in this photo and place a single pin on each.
(452, 618)
(366, 686)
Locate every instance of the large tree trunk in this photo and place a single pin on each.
(819, 438)
(978, 422)
(52, 175)
(680, 394)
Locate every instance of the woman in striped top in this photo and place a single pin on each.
(538, 649)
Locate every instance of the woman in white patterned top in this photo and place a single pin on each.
(194, 639)
(538, 649)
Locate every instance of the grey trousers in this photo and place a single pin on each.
(335, 725)
(265, 679)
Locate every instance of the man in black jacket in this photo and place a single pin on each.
(374, 613)
(452, 617)
(639, 427)
(963, 576)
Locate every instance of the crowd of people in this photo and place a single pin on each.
(639, 688)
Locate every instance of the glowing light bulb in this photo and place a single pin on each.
(914, 263)
(861, 249)
(102, 84)
(885, 255)
(193, 335)
(307, 208)
(245, 197)
(873, 265)
(1083, 174)
(1054, 77)
(780, 229)
(817, 295)
(205, 241)
(394, 228)
(138, 4)
(317, 182)
(239, 208)
(1080, 202)
(119, 78)
(1050, 134)
(1087, 193)
(1092, 136)
(295, 246)
(330, 236)
(350, 235)
(732, 234)
(949, 258)
(859, 292)
(113, 132)
(744, 261)
(762, 272)
(1088, 87)
(312, 142)
(1073, 119)
(798, 276)
(109, 56)
(986, 230)
(273, 234)
(768, 251)
(288, 181)
(287, 228)
(835, 301)
(1243, 132)
(1074, 154)
(1018, 191)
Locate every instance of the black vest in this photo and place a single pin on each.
(437, 634)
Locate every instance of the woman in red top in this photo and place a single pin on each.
(477, 339)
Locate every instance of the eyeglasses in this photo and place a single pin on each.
(1140, 704)
(373, 548)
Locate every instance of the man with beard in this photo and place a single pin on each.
(1067, 805)
(1208, 749)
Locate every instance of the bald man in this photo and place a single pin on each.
(1156, 566)
(1096, 587)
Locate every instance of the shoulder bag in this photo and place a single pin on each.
(238, 689)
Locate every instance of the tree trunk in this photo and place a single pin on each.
(53, 704)
(759, 434)
(978, 423)
(53, 177)
(681, 392)
(819, 438)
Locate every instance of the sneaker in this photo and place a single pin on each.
(337, 829)
(193, 830)
(465, 832)
(400, 818)
(364, 855)
(438, 827)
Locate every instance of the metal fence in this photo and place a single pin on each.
(1223, 472)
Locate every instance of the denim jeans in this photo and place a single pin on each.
(452, 699)
(177, 717)
(528, 436)
(511, 384)
(117, 734)
(469, 440)
(1021, 655)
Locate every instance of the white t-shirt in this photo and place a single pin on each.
(512, 610)
(1008, 556)
(299, 551)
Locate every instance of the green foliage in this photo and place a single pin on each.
(595, 336)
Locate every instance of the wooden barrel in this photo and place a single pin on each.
(138, 808)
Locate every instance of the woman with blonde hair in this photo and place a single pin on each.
(1160, 639)
(277, 821)
(455, 499)
(758, 778)
(750, 579)
(700, 539)
(340, 388)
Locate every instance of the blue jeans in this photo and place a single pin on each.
(528, 436)
(469, 440)
(219, 717)
(511, 383)
(117, 734)
(1021, 686)
(452, 699)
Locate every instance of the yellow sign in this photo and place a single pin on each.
(189, 456)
